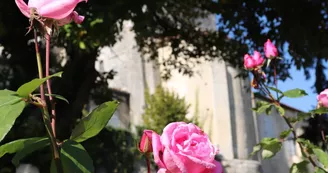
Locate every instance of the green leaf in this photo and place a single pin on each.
(270, 146)
(306, 144)
(75, 159)
(29, 148)
(284, 134)
(55, 96)
(262, 106)
(11, 106)
(321, 110)
(91, 125)
(26, 89)
(322, 156)
(82, 45)
(300, 167)
(275, 89)
(319, 170)
(256, 149)
(295, 93)
(280, 110)
(18, 145)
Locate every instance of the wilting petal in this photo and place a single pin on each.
(73, 16)
(77, 18)
(58, 9)
(23, 7)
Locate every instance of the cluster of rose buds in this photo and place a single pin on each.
(181, 148)
(254, 63)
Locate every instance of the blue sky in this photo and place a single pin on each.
(298, 80)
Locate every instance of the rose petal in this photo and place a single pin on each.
(167, 133)
(163, 170)
(58, 9)
(23, 7)
(77, 18)
(195, 165)
(37, 3)
(157, 150)
(173, 162)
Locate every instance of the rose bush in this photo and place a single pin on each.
(184, 148)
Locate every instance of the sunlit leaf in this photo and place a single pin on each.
(91, 125)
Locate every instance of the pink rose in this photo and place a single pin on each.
(60, 10)
(252, 62)
(323, 98)
(270, 49)
(184, 148)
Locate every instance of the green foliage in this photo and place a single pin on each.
(26, 89)
(29, 147)
(164, 107)
(276, 90)
(11, 106)
(295, 93)
(74, 158)
(263, 106)
(321, 110)
(94, 122)
(284, 134)
(322, 156)
(18, 145)
(269, 147)
(59, 97)
(319, 170)
(300, 167)
(280, 110)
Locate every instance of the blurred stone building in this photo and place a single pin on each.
(224, 103)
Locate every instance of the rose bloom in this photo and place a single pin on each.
(253, 62)
(184, 148)
(61, 11)
(270, 49)
(323, 98)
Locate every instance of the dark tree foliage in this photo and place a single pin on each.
(242, 26)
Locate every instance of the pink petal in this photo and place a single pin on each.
(173, 162)
(270, 49)
(58, 9)
(37, 3)
(258, 58)
(163, 170)
(23, 7)
(145, 144)
(195, 165)
(157, 150)
(218, 167)
(73, 16)
(77, 18)
(168, 131)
